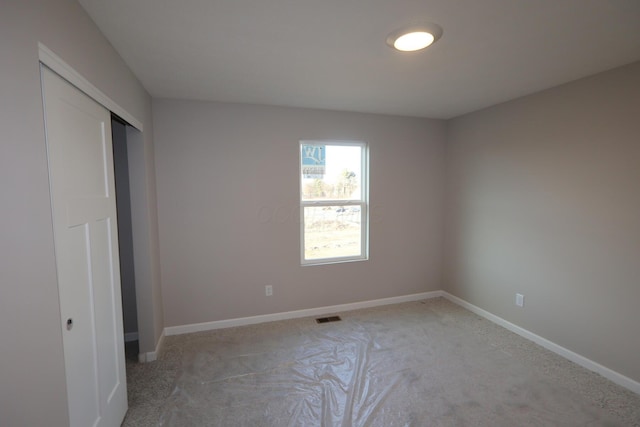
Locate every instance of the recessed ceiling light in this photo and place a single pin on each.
(414, 38)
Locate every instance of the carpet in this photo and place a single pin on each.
(425, 363)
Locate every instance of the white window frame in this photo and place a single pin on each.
(363, 203)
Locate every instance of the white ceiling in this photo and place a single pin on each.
(331, 54)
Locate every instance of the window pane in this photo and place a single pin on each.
(331, 172)
(332, 231)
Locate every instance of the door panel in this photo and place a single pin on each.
(85, 232)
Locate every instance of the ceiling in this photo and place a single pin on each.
(331, 54)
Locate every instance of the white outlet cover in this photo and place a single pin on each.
(520, 300)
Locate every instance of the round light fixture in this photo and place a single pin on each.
(414, 38)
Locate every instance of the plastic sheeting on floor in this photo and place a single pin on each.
(327, 379)
(413, 368)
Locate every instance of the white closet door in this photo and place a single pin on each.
(78, 134)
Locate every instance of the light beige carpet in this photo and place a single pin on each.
(427, 363)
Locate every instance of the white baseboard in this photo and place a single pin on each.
(610, 374)
(152, 355)
(130, 336)
(320, 311)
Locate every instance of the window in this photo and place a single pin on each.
(333, 201)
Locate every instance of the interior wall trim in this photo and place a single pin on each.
(589, 364)
(151, 356)
(310, 312)
(64, 70)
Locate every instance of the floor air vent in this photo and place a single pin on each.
(328, 319)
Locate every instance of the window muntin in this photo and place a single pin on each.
(333, 201)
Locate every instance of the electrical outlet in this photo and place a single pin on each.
(520, 300)
(268, 290)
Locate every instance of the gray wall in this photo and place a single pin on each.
(229, 214)
(32, 379)
(543, 198)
